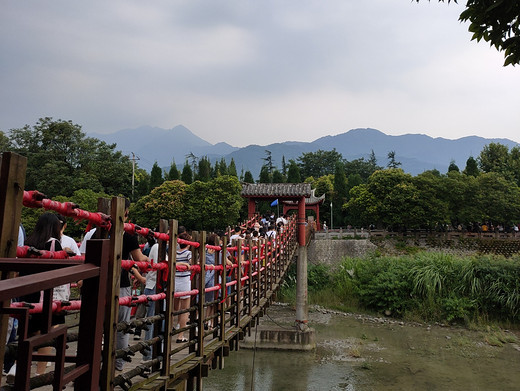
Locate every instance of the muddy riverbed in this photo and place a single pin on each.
(360, 353)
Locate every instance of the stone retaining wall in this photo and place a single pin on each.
(331, 252)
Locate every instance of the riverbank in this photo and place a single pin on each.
(359, 352)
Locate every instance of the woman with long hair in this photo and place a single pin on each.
(45, 236)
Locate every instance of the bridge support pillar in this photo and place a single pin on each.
(301, 270)
(302, 313)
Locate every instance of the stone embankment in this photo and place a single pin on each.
(331, 248)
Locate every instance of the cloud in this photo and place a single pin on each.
(253, 72)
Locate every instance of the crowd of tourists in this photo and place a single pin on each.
(49, 235)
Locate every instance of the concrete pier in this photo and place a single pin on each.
(274, 337)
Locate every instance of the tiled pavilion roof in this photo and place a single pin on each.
(312, 200)
(276, 190)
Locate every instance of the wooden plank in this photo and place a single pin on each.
(24, 285)
(112, 294)
(12, 182)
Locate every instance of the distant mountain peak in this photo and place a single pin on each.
(417, 152)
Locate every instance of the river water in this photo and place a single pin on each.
(362, 353)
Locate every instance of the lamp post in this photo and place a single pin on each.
(331, 224)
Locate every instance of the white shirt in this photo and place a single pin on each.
(235, 236)
(67, 241)
(88, 236)
(282, 220)
(151, 276)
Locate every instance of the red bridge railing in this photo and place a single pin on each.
(256, 272)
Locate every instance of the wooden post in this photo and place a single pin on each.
(202, 283)
(92, 307)
(112, 295)
(250, 278)
(169, 287)
(265, 247)
(258, 278)
(157, 349)
(270, 263)
(238, 285)
(194, 285)
(12, 182)
(223, 302)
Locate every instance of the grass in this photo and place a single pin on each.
(474, 291)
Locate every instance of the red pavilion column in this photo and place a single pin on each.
(251, 208)
(301, 221)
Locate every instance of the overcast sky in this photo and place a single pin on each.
(254, 72)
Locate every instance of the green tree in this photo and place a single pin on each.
(265, 177)
(156, 178)
(193, 161)
(362, 207)
(187, 174)
(204, 172)
(221, 168)
(173, 173)
(453, 166)
(212, 205)
(278, 177)
(164, 202)
(389, 199)
(499, 199)
(318, 163)
(340, 193)
(5, 143)
(364, 168)
(232, 168)
(248, 177)
(494, 157)
(514, 163)
(392, 163)
(60, 160)
(293, 173)
(142, 184)
(463, 197)
(471, 167)
(284, 166)
(268, 161)
(432, 196)
(497, 22)
(352, 181)
(323, 185)
(102, 163)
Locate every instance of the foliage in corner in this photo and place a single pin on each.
(496, 22)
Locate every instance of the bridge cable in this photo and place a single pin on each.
(253, 366)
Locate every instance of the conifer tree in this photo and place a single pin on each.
(248, 177)
(173, 173)
(293, 173)
(156, 178)
(187, 174)
(232, 169)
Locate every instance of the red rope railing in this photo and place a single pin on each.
(35, 199)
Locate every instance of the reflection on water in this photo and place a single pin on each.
(361, 355)
(280, 371)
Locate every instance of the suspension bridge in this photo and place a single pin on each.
(85, 349)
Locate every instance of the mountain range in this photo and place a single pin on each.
(416, 152)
